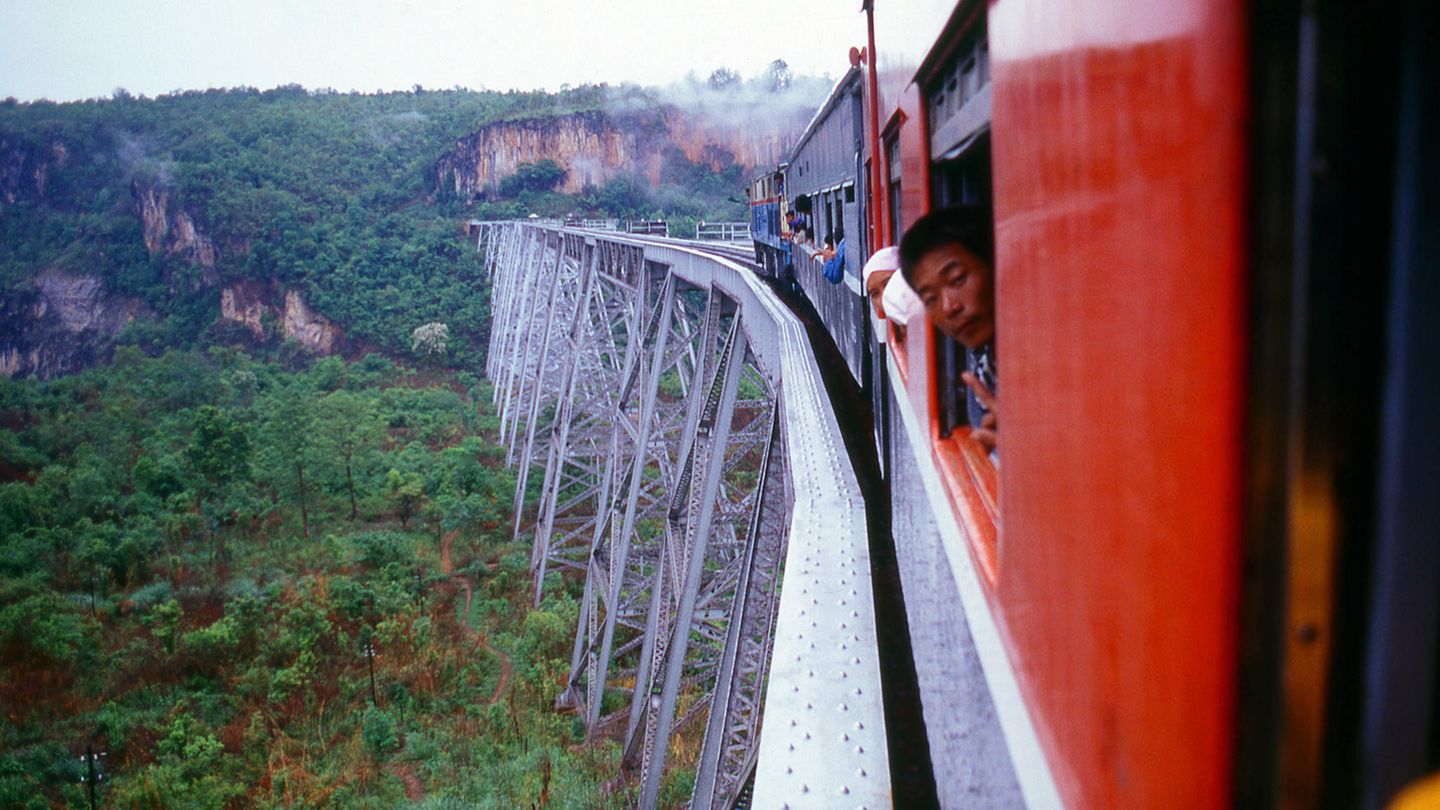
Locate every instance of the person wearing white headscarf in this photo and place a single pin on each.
(879, 269)
(901, 304)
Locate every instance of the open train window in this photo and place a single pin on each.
(957, 103)
(892, 159)
(960, 174)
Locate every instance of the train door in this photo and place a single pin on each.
(1340, 680)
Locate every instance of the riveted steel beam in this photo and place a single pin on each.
(569, 288)
(734, 721)
(580, 463)
(714, 429)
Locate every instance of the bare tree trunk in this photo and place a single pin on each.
(350, 484)
(304, 513)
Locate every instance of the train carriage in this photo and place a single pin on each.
(1184, 579)
(823, 182)
(768, 210)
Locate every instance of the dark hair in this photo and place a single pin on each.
(970, 225)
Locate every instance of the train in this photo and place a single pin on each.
(1202, 568)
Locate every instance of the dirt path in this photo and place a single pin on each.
(414, 790)
(448, 569)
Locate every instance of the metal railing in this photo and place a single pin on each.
(648, 227)
(722, 231)
(592, 224)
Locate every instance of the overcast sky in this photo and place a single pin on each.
(70, 49)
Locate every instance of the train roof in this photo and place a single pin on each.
(779, 167)
(852, 76)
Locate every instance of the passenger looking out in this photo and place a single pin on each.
(833, 256)
(876, 274)
(827, 249)
(948, 258)
(800, 224)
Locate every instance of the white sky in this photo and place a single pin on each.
(70, 49)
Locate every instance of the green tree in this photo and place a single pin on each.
(406, 491)
(289, 436)
(349, 424)
(219, 453)
(723, 78)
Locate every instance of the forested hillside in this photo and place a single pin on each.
(325, 192)
(200, 552)
(255, 528)
(229, 216)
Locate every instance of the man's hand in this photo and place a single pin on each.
(985, 432)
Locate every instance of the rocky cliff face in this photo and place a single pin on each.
(597, 146)
(589, 145)
(171, 232)
(263, 308)
(61, 322)
(25, 167)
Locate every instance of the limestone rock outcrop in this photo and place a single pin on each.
(171, 232)
(266, 309)
(61, 322)
(596, 146)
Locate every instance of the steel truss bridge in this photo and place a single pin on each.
(675, 451)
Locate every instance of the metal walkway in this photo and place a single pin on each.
(664, 407)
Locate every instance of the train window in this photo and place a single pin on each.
(960, 175)
(957, 99)
(892, 158)
(850, 193)
(831, 220)
(958, 95)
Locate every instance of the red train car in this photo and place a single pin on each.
(1203, 570)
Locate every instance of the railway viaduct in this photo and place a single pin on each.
(675, 451)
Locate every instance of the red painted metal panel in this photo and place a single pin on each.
(1118, 132)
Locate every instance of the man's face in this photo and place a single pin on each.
(958, 290)
(875, 287)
